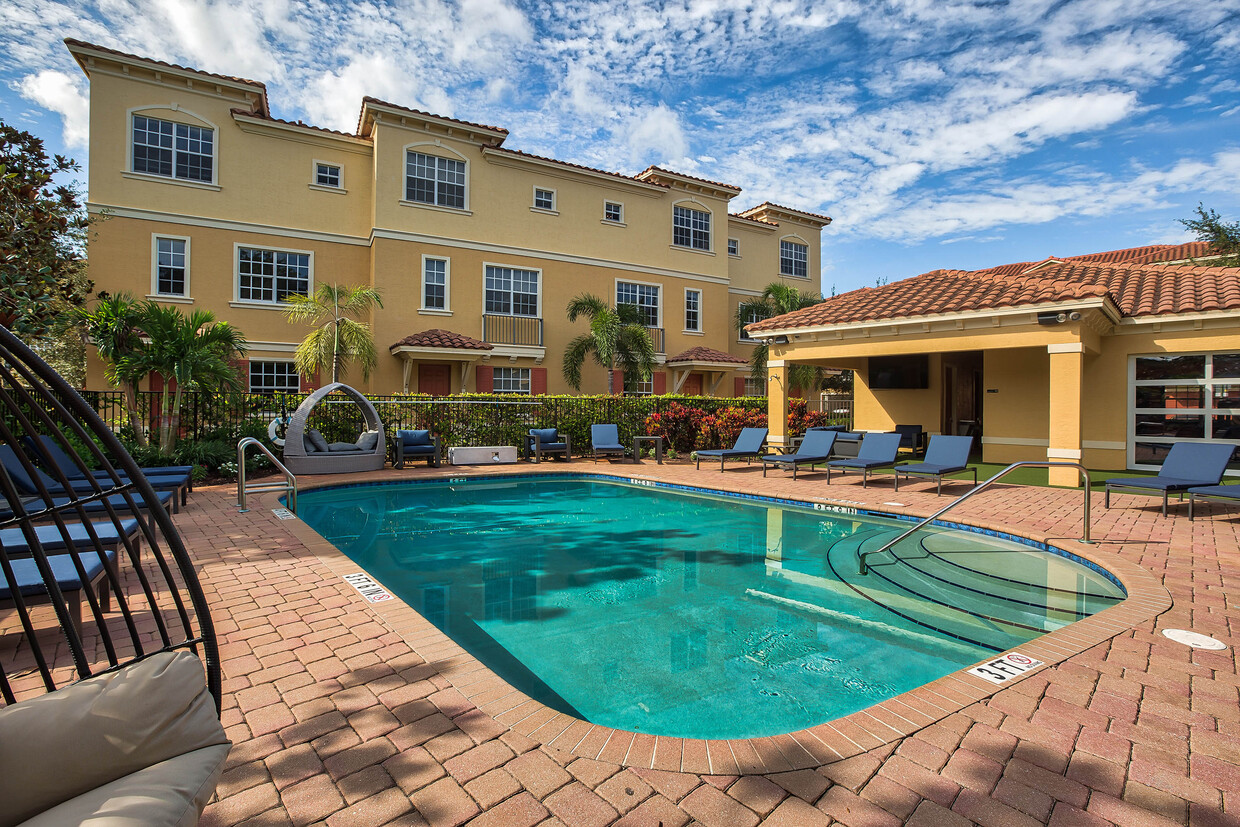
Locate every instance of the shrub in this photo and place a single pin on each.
(721, 429)
(679, 426)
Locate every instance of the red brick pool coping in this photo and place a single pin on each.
(883, 723)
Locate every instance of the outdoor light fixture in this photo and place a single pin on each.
(781, 340)
(1058, 318)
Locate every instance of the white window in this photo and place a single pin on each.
(636, 387)
(510, 380)
(691, 228)
(173, 150)
(644, 296)
(327, 175)
(273, 377)
(793, 259)
(171, 266)
(753, 316)
(613, 211)
(1188, 397)
(693, 311)
(430, 179)
(511, 291)
(271, 275)
(544, 199)
(754, 387)
(435, 283)
(734, 247)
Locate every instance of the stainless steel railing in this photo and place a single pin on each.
(289, 485)
(863, 568)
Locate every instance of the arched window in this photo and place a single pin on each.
(793, 257)
(433, 179)
(691, 226)
(164, 144)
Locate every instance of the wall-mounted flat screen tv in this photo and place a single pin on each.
(895, 372)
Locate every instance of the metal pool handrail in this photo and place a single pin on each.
(289, 485)
(863, 569)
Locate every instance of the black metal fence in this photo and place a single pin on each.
(467, 419)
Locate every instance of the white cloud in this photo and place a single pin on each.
(656, 137)
(64, 95)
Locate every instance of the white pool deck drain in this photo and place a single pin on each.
(1193, 639)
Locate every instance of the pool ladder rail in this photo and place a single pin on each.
(863, 568)
(289, 486)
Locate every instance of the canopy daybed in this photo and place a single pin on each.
(307, 452)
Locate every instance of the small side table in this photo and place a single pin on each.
(658, 447)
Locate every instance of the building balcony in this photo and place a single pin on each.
(499, 329)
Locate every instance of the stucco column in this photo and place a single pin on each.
(777, 402)
(1066, 375)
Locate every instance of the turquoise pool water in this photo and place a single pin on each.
(659, 610)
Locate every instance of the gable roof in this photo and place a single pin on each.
(706, 355)
(442, 339)
(1133, 289)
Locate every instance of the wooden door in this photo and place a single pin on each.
(434, 379)
(693, 385)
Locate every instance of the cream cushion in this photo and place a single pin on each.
(120, 736)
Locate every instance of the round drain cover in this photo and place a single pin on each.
(1193, 639)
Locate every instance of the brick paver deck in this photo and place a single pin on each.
(348, 715)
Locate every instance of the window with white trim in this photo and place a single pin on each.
(327, 175)
(636, 387)
(734, 247)
(691, 228)
(510, 380)
(693, 310)
(171, 266)
(754, 387)
(511, 291)
(544, 199)
(434, 283)
(271, 275)
(793, 259)
(273, 377)
(645, 297)
(753, 316)
(613, 211)
(430, 179)
(1183, 397)
(173, 150)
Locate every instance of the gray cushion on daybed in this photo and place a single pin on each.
(343, 447)
(316, 439)
(368, 440)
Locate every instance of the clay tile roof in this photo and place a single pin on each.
(506, 151)
(654, 171)
(777, 208)
(368, 99)
(743, 217)
(1134, 289)
(706, 354)
(301, 124)
(442, 338)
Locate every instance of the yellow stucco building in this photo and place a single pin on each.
(476, 248)
(1105, 359)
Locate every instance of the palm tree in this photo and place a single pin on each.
(336, 337)
(195, 352)
(776, 299)
(115, 328)
(617, 338)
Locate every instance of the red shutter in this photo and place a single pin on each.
(482, 375)
(660, 382)
(538, 381)
(739, 385)
(309, 385)
(157, 384)
(242, 366)
(617, 383)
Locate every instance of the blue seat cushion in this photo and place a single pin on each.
(1157, 483)
(30, 582)
(414, 450)
(414, 439)
(552, 446)
(547, 435)
(859, 463)
(930, 468)
(1229, 491)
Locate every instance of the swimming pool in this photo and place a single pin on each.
(684, 613)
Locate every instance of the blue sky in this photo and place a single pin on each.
(936, 133)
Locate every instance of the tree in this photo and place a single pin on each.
(115, 326)
(190, 353)
(1222, 237)
(336, 337)
(777, 299)
(42, 237)
(617, 338)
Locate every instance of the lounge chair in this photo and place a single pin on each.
(877, 451)
(117, 502)
(912, 438)
(605, 441)
(813, 450)
(1188, 465)
(28, 484)
(548, 441)
(54, 456)
(748, 446)
(945, 455)
(417, 445)
(1212, 492)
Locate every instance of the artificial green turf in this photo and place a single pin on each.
(1037, 476)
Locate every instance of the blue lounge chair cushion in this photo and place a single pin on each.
(930, 468)
(417, 450)
(117, 501)
(52, 538)
(545, 435)
(877, 450)
(605, 438)
(946, 455)
(1158, 483)
(26, 483)
(1188, 465)
(749, 443)
(415, 439)
(816, 447)
(30, 581)
(58, 458)
(1231, 492)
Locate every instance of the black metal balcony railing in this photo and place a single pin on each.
(656, 336)
(512, 330)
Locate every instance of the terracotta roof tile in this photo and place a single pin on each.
(774, 206)
(519, 153)
(754, 220)
(442, 338)
(654, 170)
(1136, 290)
(301, 124)
(368, 99)
(706, 354)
